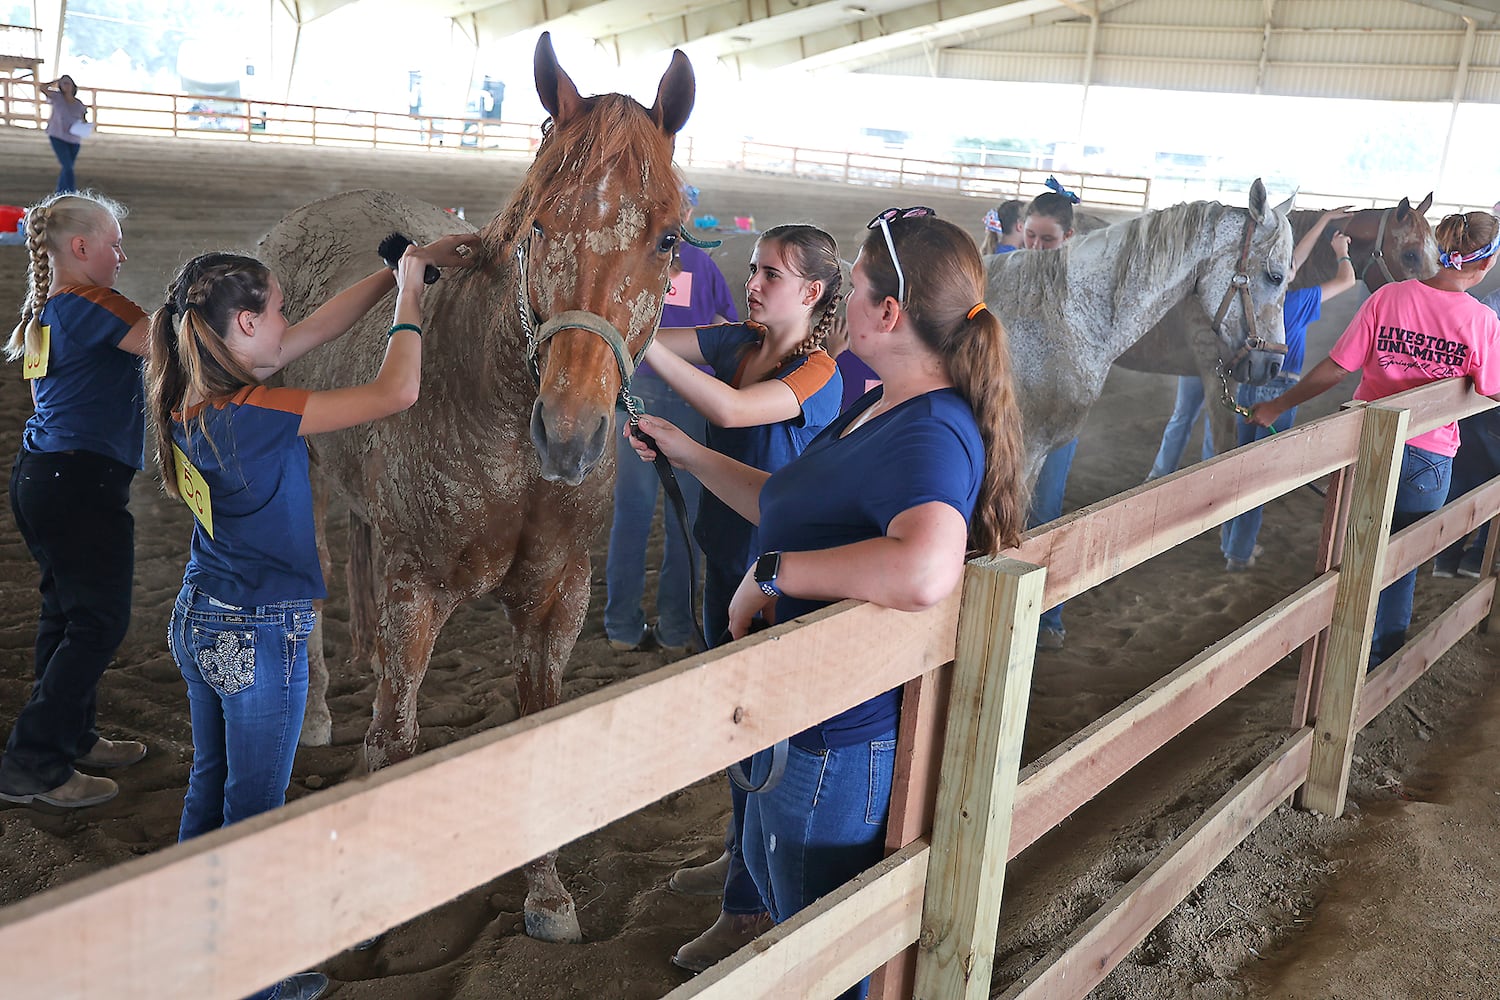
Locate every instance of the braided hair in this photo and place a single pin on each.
(189, 357)
(50, 224)
(814, 256)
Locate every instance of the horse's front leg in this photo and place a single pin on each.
(411, 616)
(545, 633)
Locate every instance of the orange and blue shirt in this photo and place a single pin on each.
(263, 548)
(92, 397)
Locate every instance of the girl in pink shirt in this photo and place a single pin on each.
(1407, 334)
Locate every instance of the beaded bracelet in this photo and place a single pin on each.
(414, 328)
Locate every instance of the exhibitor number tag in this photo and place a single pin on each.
(194, 490)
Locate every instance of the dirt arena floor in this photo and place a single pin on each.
(1395, 900)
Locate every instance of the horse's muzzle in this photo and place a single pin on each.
(568, 447)
(1257, 367)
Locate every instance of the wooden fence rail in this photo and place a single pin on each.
(234, 910)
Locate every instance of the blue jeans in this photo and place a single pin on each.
(246, 672)
(1423, 489)
(821, 826)
(1047, 504)
(636, 489)
(1477, 461)
(66, 152)
(1174, 439)
(1237, 536)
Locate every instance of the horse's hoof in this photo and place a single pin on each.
(559, 926)
(316, 732)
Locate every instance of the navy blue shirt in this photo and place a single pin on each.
(264, 545)
(91, 398)
(726, 538)
(846, 490)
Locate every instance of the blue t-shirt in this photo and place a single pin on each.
(846, 490)
(264, 546)
(1302, 308)
(91, 398)
(726, 538)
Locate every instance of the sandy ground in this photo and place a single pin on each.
(1396, 899)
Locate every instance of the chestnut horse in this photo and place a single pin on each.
(484, 485)
(1385, 244)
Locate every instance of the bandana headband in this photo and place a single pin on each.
(1458, 260)
(992, 222)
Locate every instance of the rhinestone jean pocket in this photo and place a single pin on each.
(226, 658)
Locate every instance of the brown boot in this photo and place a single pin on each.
(77, 792)
(730, 933)
(112, 753)
(704, 880)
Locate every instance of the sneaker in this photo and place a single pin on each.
(1444, 569)
(1472, 564)
(1050, 639)
(78, 792)
(703, 880)
(686, 649)
(644, 643)
(730, 933)
(1233, 565)
(112, 753)
(302, 986)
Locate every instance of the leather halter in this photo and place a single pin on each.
(1239, 286)
(575, 319)
(1377, 256)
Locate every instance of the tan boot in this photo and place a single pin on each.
(112, 753)
(77, 792)
(704, 880)
(730, 933)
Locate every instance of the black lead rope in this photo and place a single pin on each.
(738, 772)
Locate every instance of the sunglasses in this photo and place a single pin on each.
(884, 220)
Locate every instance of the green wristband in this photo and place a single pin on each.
(414, 328)
(1346, 257)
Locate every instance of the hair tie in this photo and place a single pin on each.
(170, 308)
(979, 307)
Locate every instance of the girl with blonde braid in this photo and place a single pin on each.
(69, 488)
(773, 389)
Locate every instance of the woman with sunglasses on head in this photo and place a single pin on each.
(1406, 334)
(883, 506)
(772, 389)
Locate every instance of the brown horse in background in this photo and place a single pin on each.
(1385, 244)
(483, 486)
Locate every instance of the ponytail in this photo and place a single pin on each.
(50, 223)
(945, 281)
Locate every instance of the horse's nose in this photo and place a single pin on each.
(568, 446)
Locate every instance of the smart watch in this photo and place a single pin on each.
(767, 568)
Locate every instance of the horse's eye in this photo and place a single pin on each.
(1276, 277)
(667, 242)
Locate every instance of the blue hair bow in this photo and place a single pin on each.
(1053, 184)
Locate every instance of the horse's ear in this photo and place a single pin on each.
(553, 86)
(675, 95)
(1424, 204)
(1403, 209)
(1285, 208)
(1259, 210)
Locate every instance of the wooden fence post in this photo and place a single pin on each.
(1382, 443)
(1491, 623)
(1002, 601)
(1330, 551)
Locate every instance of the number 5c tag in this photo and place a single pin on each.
(194, 491)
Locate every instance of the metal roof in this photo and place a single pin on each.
(1414, 50)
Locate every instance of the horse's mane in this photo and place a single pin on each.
(1152, 246)
(612, 133)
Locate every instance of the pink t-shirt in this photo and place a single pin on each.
(1409, 334)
